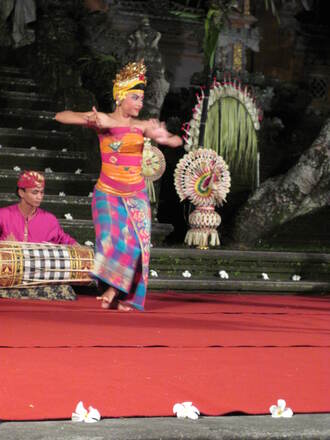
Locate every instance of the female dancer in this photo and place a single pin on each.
(120, 205)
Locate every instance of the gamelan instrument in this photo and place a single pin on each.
(31, 264)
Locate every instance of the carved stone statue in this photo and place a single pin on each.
(15, 16)
(143, 43)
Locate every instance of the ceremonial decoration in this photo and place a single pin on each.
(232, 121)
(153, 166)
(31, 264)
(203, 177)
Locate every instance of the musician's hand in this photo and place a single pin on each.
(11, 237)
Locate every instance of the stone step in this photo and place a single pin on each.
(83, 230)
(215, 285)
(20, 117)
(27, 100)
(78, 206)
(24, 137)
(42, 159)
(247, 265)
(17, 84)
(69, 183)
(14, 72)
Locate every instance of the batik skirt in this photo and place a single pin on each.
(122, 248)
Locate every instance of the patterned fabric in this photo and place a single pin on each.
(23, 264)
(121, 153)
(122, 229)
(50, 293)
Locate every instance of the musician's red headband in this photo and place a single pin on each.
(31, 179)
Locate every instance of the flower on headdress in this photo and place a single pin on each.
(17, 168)
(280, 409)
(68, 216)
(186, 410)
(223, 274)
(81, 414)
(265, 276)
(186, 274)
(296, 277)
(153, 273)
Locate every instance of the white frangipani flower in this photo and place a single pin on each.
(186, 410)
(296, 277)
(48, 170)
(78, 171)
(33, 148)
(186, 274)
(20, 128)
(81, 414)
(223, 274)
(280, 410)
(68, 216)
(153, 273)
(17, 168)
(64, 150)
(265, 276)
(61, 194)
(90, 194)
(151, 245)
(89, 243)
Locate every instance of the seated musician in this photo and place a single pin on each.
(26, 221)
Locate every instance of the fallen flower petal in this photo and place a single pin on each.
(186, 410)
(280, 410)
(82, 415)
(153, 273)
(223, 274)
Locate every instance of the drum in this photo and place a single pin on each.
(30, 264)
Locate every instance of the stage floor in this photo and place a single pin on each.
(227, 353)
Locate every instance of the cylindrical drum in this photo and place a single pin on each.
(29, 264)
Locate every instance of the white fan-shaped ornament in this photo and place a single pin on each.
(203, 177)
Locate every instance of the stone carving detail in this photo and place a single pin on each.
(143, 43)
(15, 16)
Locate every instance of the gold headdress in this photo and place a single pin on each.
(128, 78)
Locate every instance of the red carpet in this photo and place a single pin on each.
(226, 353)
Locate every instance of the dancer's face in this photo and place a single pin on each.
(133, 103)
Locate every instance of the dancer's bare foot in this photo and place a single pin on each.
(124, 307)
(107, 298)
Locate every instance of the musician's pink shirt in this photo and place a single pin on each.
(42, 227)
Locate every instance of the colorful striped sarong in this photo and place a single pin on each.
(122, 230)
